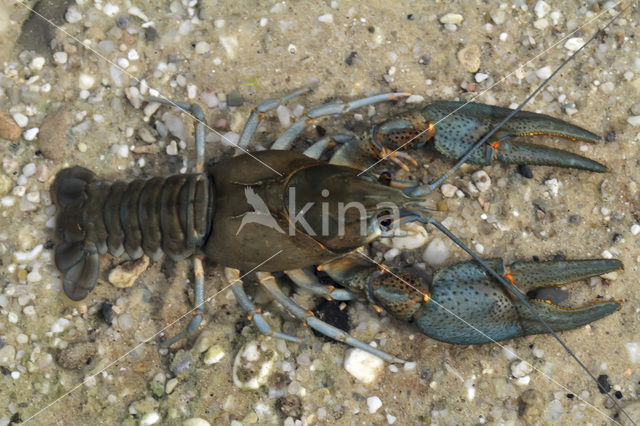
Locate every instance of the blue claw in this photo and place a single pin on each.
(465, 295)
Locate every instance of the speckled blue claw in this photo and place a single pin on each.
(459, 125)
(469, 307)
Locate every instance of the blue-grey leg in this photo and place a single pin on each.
(233, 277)
(319, 147)
(257, 114)
(198, 269)
(268, 281)
(285, 140)
(306, 279)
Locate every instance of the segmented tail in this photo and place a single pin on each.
(75, 256)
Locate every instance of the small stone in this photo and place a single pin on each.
(436, 252)
(171, 385)
(156, 385)
(574, 44)
(448, 190)
(327, 18)
(290, 405)
(29, 170)
(234, 99)
(21, 119)
(633, 348)
(451, 19)
(53, 135)
(133, 95)
(469, 58)
(415, 99)
(635, 229)
(125, 274)
(520, 368)
(7, 355)
(214, 354)
(481, 180)
(373, 403)
(480, 77)
(150, 419)
(172, 148)
(634, 120)
(553, 186)
(525, 171)
(544, 72)
(530, 406)
(541, 9)
(182, 363)
(9, 128)
(86, 81)
(284, 115)
(362, 365)
(635, 109)
(72, 15)
(498, 16)
(110, 9)
(541, 24)
(196, 421)
(202, 47)
(76, 355)
(210, 99)
(30, 134)
(254, 364)
(60, 325)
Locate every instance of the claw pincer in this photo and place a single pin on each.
(464, 305)
(452, 128)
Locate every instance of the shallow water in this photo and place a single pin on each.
(265, 50)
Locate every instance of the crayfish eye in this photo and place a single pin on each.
(384, 219)
(385, 178)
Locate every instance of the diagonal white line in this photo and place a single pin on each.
(137, 80)
(596, 17)
(145, 341)
(504, 348)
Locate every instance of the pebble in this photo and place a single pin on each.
(7, 355)
(544, 72)
(60, 325)
(480, 77)
(290, 405)
(553, 186)
(416, 237)
(327, 18)
(436, 252)
(373, 403)
(469, 58)
(157, 385)
(171, 385)
(30, 134)
(448, 190)
(634, 120)
(498, 16)
(196, 421)
(530, 406)
(9, 128)
(415, 99)
(29, 170)
(86, 81)
(635, 229)
(574, 44)
(452, 19)
(541, 9)
(172, 148)
(72, 15)
(541, 24)
(633, 348)
(520, 369)
(254, 363)
(125, 274)
(202, 47)
(284, 115)
(214, 354)
(362, 365)
(21, 119)
(210, 99)
(554, 411)
(133, 95)
(76, 355)
(150, 419)
(235, 99)
(635, 109)
(174, 125)
(481, 180)
(182, 363)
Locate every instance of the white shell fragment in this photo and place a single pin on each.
(362, 365)
(254, 363)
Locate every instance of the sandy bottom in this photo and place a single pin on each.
(343, 50)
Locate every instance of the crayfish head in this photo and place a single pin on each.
(339, 208)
